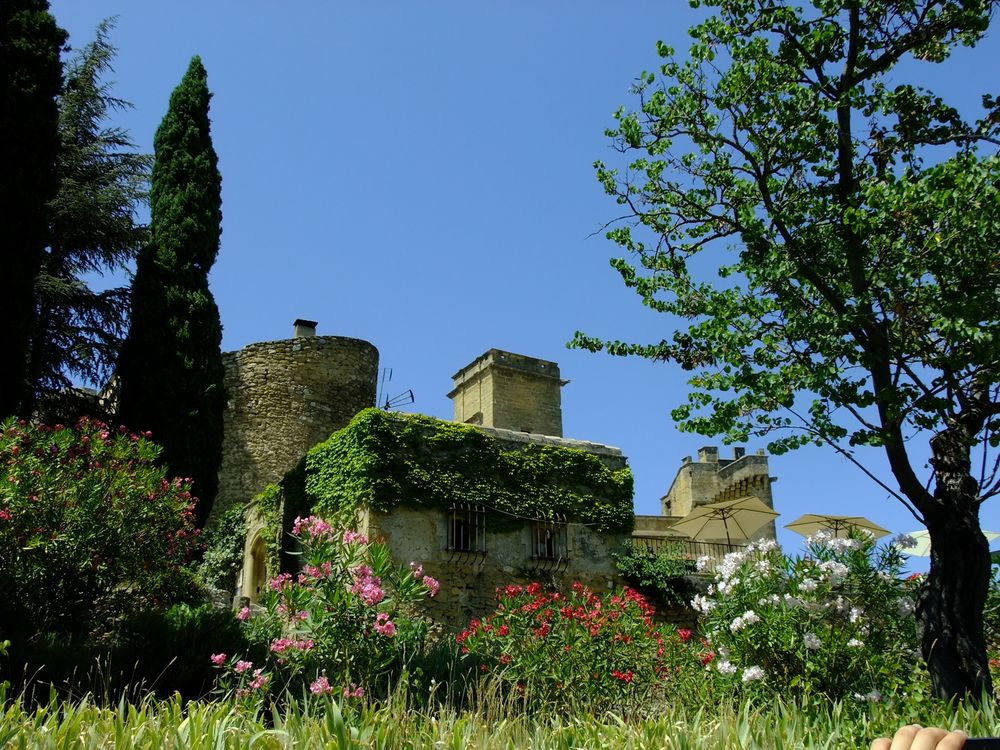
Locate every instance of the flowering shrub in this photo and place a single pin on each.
(340, 626)
(836, 622)
(90, 527)
(580, 650)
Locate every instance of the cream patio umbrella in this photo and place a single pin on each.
(812, 523)
(923, 542)
(744, 516)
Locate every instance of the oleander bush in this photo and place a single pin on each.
(346, 625)
(834, 624)
(91, 529)
(583, 652)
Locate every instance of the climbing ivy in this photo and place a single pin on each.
(268, 505)
(383, 460)
(224, 549)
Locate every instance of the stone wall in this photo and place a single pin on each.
(286, 396)
(469, 580)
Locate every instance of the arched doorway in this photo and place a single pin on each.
(258, 570)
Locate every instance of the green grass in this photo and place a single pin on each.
(322, 724)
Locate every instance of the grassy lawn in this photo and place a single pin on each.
(322, 723)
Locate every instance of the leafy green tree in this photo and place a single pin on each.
(30, 80)
(854, 221)
(170, 369)
(94, 229)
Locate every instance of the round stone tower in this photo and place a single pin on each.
(284, 397)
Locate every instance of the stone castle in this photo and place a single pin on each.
(286, 396)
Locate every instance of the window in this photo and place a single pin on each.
(549, 539)
(467, 528)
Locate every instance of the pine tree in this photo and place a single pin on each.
(30, 80)
(94, 229)
(170, 369)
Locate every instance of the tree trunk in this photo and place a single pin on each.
(950, 604)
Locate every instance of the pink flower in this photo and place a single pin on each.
(353, 537)
(313, 527)
(244, 614)
(321, 686)
(259, 680)
(5, 515)
(384, 625)
(278, 582)
(354, 691)
(281, 645)
(432, 584)
(367, 586)
(242, 666)
(417, 570)
(218, 659)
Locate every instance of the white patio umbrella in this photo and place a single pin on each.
(923, 540)
(742, 516)
(812, 523)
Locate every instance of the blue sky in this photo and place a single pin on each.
(420, 175)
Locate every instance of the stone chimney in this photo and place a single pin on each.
(304, 328)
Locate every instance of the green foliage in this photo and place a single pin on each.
(30, 81)
(90, 527)
(584, 653)
(381, 460)
(825, 235)
(170, 369)
(165, 648)
(346, 624)
(223, 555)
(834, 625)
(269, 505)
(661, 574)
(93, 230)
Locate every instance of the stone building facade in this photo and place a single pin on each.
(555, 553)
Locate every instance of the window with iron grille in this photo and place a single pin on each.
(549, 539)
(466, 528)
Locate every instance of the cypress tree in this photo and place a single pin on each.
(30, 81)
(170, 370)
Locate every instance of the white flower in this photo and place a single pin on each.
(808, 585)
(835, 571)
(842, 545)
(811, 641)
(904, 541)
(750, 674)
(747, 618)
(820, 538)
(855, 643)
(730, 564)
(702, 563)
(726, 667)
(873, 697)
(905, 606)
(856, 614)
(792, 601)
(763, 566)
(702, 604)
(765, 600)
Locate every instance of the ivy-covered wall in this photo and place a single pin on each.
(382, 460)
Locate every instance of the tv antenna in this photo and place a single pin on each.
(400, 399)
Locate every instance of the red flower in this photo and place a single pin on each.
(684, 634)
(625, 677)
